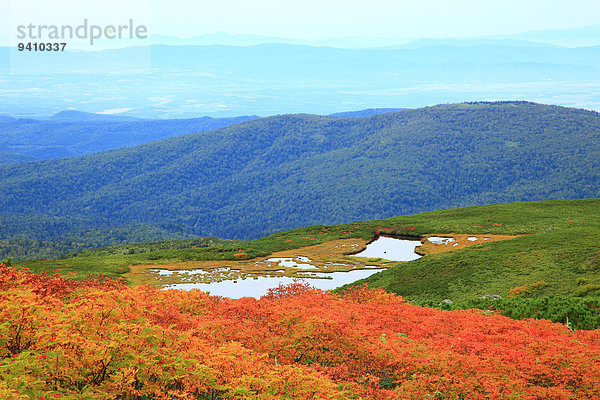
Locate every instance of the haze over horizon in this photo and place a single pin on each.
(317, 19)
(384, 54)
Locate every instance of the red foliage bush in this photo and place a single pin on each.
(101, 339)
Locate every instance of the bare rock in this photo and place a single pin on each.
(492, 296)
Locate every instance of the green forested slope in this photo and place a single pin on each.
(272, 174)
(73, 133)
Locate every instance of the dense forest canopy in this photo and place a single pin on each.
(73, 133)
(270, 174)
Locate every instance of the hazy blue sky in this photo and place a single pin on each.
(404, 18)
(316, 18)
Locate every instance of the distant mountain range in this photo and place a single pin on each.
(573, 37)
(72, 133)
(285, 60)
(186, 80)
(365, 113)
(570, 37)
(270, 174)
(75, 133)
(77, 116)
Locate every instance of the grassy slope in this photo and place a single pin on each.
(561, 257)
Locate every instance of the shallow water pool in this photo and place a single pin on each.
(391, 249)
(257, 286)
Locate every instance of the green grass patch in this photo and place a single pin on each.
(576, 313)
(561, 249)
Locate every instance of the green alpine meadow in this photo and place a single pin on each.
(549, 269)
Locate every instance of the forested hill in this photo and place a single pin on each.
(73, 133)
(276, 173)
(365, 113)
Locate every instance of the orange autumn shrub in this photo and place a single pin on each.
(99, 339)
(527, 289)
